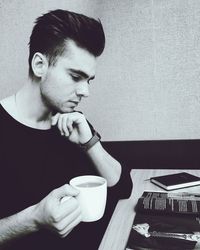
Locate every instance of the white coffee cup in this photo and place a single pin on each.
(92, 196)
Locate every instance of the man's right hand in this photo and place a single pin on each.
(57, 215)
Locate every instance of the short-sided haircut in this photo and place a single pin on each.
(53, 29)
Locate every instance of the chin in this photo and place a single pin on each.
(66, 110)
(61, 108)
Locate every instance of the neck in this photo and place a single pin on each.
(30, 108)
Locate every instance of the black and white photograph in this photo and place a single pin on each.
(100, 124)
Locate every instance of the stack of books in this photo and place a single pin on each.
(167, 221)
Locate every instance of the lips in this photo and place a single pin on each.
(75, 102)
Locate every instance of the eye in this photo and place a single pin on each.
(76, 78)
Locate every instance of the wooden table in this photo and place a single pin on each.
(118, 230)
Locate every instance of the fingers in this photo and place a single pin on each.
(64, 210)
(68, 207)
(65, 124)
(74, 126)
(65, 198)
(54, 119)
(65, 190)
(69, 125)
(60, 125)
(71, 226)
(65, 226)
(55, 214)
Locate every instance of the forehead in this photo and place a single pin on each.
(77, 58)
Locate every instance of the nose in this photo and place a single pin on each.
(83, 89)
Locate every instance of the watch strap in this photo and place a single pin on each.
(95, 138)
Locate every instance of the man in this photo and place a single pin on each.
(45, 142)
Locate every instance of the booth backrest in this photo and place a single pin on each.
(161, 154)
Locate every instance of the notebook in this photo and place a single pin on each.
(176, 181)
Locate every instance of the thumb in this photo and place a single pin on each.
(66, 190)
(54, 119)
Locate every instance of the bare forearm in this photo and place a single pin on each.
(17, 225)
(105, 164)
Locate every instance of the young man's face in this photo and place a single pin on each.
(66, 82)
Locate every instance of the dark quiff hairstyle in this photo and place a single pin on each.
(53, 29)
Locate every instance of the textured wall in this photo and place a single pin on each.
(147, 84)
(150, 70)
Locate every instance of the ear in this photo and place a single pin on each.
(39, 64)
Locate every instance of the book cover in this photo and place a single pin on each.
(176, 181)
(169, 203)
(164, 232)
(178, 229)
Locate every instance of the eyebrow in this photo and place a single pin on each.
(81, 73)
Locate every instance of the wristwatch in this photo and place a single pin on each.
(95, 138)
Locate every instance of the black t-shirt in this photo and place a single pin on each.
(33, 162)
